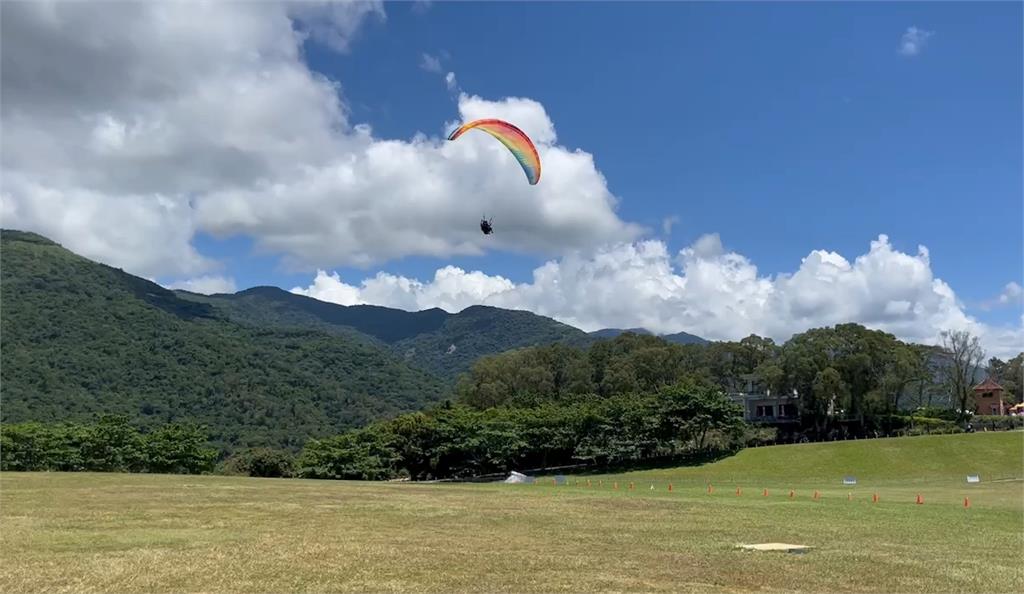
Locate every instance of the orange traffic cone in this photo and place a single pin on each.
(738, 491)
(849, 496)
(631, 486)
(874, 498)
(967, 502)
(765, 493)
(816, 495)
(920, 500)
(791, 493)
(710, 489)
(670, 487)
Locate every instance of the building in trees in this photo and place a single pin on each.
(989, 398)
(760, 405)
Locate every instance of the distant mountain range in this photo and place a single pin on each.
(260, 367)
(442, 343)
(678, 338)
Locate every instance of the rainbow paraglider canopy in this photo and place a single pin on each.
(514, 139)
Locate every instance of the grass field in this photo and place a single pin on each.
(153, 533)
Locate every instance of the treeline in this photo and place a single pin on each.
(457, 441)
(451, 440)
(109, 445)
(846, 375)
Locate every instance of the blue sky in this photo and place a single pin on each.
(783, 127)
(214, 153)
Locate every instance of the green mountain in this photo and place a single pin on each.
(678, 338)
(479, 330)
(684, 338)
(259, 367)
(442, 343)
(81, 338)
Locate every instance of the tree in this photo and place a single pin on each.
(690, 411)
(178, 449)
(1008, 375)
(927, 381)
(830, 395)
(903, 367)
(965, 355)
(361, 454)
(113, 445)
(1013, 377)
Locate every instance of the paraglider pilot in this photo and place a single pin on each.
(485, 226)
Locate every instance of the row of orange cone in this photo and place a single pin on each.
(792, 494)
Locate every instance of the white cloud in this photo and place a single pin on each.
(206, 285)
(430, 63)
(334, 23)
(1012, 294)
(705, 289)
(914, 40)
(452, 289)
(156, 121)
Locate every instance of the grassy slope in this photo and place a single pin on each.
(924, 459)
(134, 533)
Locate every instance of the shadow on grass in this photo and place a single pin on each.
(690, 459)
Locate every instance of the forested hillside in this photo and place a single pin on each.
(81, 338)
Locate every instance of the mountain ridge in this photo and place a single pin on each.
(262, 366)
(678, 337)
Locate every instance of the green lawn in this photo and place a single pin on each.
(936, 465)
(152, 533)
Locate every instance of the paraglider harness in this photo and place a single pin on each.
(485, 226)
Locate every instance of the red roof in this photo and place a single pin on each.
(987, 386)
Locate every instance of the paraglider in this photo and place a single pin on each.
(514, 140)
(485, 226)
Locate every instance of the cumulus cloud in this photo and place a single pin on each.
(704, 289)
(155, 121)
(914, 40)
(206, 285)
(452, 289)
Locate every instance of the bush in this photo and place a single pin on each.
(936, 412)
(888, 424)
(926, 426)
(759, 436)
(996, 423)
(261, 462)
